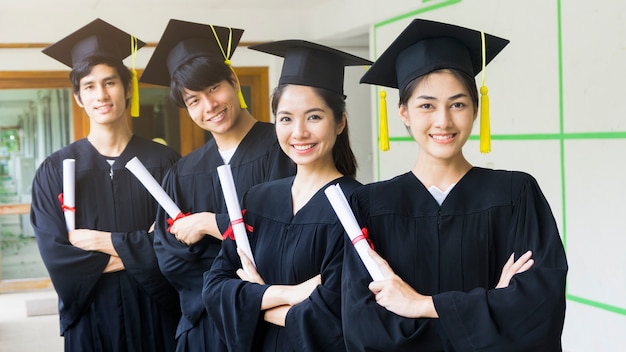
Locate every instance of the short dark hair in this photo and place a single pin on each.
(84, 67)
(468, 82)
(197, 74)
(342, 151)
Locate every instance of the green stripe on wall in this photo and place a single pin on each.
(596, 304)
(536, 137)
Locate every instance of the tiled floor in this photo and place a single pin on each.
(22, 333)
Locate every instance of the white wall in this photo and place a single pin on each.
(555, 91)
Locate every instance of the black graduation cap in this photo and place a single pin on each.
(98, 38)
(425, 46)
(182, 41)
(311, 64)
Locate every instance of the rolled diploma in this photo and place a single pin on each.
(145, 177)
(234, 210)
(69, 193)
(342, 208)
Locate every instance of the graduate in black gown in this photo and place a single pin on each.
(112, 295)
(191, 59)
(291, 301)
(473, 260)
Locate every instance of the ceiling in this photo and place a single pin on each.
(14, 102)
(214, 4)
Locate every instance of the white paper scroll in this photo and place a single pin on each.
(346, 217)
(234, 210)
(69, 193)
(145, 177)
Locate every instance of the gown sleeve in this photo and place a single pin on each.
(527, 315)
(165, 243)
(182, 265)
(74, 272)
(234, 305)
(315, 323)
(367, 326)
(135, 249)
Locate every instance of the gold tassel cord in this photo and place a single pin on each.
(134, 99)
(485, 128)
(384, 126)
(226, 55)
(242, 101)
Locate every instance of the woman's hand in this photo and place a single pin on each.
(511, 268)
(303, 290)
(399, 297)
(115, 264)
(279, 295)
(248, 271)
(277, 315)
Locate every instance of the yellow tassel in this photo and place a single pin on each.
(384, 126)
(134, 100)
(226, 54)
(242, 101)
(485, 129)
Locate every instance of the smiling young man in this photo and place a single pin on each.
(193, 60)
(112, 295)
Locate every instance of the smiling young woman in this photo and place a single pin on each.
(471, 257)
(291, 300)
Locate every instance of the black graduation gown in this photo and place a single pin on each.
(193, 184)
(455, 252)
(288, 249)
(131, 310)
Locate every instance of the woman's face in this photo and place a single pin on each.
(439, 115)
(215, 109)
(306, 127)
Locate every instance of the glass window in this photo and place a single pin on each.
(33, 124)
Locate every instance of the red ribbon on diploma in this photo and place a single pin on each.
(229, 233)
(171, 221)
(363, 236)
(63, 206)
